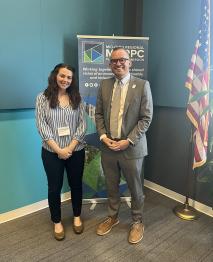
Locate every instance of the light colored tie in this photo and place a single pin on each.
(115, 108)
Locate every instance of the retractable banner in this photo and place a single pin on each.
(93, 57)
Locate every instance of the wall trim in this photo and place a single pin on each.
(23, 211)
(179, 198)
(29, 209)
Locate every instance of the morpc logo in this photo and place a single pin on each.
(93, 52)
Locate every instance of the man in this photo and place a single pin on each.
(123, 114)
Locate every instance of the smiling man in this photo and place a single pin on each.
(124, 111)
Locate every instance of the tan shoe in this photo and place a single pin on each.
(78, 229)
(106, 226)
(59, 236)
(136, 233)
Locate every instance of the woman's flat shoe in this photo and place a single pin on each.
(78, 229)
(59, 236)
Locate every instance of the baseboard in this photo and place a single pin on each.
(23, 211)
(26, 210)
(178, 197)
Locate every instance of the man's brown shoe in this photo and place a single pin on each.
(106, 226)
(136, 232)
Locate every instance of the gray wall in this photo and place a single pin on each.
(173, 28)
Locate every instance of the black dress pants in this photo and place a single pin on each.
(54, 168)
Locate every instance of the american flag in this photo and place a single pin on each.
(198, 81)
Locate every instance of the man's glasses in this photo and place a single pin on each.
(122, 61)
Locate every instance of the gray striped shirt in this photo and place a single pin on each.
(48, 120)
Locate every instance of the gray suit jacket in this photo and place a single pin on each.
(137, 115)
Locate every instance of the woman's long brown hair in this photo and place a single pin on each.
(51, 92)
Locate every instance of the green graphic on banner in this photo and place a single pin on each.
(93, 53)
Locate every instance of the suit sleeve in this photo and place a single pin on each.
(99, 113)
(145, 115)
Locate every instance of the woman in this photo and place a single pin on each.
(60, 119)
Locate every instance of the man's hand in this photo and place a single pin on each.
(123, 144)
(107, 141)
(116, 145)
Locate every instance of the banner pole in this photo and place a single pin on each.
(185, 211)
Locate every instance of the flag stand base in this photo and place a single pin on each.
(186, 212)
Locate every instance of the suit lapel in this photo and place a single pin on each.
(129, 95)
(109, 95)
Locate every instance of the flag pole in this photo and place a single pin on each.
(185, 211)
(198, 83)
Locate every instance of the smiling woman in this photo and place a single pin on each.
(64, 80)
(60, 119)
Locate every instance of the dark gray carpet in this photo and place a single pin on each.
(167, 238)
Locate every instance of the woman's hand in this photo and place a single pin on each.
(64, 153)
(72, 145)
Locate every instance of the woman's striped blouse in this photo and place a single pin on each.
(48, 120)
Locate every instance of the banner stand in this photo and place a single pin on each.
(95, 201)
(94, 54)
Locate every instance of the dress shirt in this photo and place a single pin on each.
(124, 88)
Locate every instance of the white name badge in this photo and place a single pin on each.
(64, 131)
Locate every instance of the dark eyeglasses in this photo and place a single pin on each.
(120, 60)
